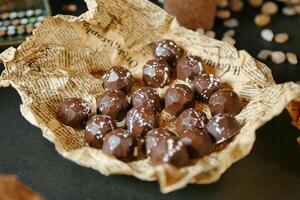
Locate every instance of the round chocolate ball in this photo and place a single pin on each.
(155, 135)
(113, 104)
(198, 143)
(120, 144)
(156, 73)
(146, 97)
(225, 101)
(170, 150)
(118, 78)
(205, 85)
(179, 98)
(188, 67)
(222, 127)
(96, 128)
(169, 50)
(74, 112)
(190, 119)
(140, 120)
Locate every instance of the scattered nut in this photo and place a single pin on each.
(236, 5)
(270, 8)
(231, 23)
(281, 38)
(201, 31)
(222, 3)
(292, 58)
(262, 19)
(256, 3)
(264, 54)
(230, 33)
(298, 140)
(70, 7)
(210, 34)
(229, 40)
(289, 11)
(297, 9)
(267, 35)
(278, 57)
(223, 14)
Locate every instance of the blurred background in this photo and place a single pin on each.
(268, 30)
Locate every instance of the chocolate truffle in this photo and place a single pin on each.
(205, 85)
(198, 143)
(190, 119)
(120, 144)
(169, 50)
(222, 127)
(156, 73)
(146, 97)
(225, 101)
(188, 67)
(118, 78)
(155, 135)
(179, 98)
(74, 112)
(140, 120)
(170, 150)
(113, 104)
(96, 128)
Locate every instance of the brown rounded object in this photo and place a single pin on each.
(223, 127)
(120, 144)
(179, 98)
(168, 50)
(225, 101)
(190, 119)
(146, 97)
(193, 14)
(141, 120)
(170, 150)
(189, 66)
(205, 85)
(74, 112)
(156, 73)
(96, 128)
(155, 135)
(118, 78)
(113, 104)
(198, 143)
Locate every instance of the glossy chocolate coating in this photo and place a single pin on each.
(188, 67)
(156, 73)
(155, 135)
(190, 119)
(205, 85)
(225, 101)
(198, 143)
(222, 127)
(113, 104)
(119, 143)
(118, 78)
(96, 128)
(148, 98)
(74, 112)
(140, 120)
(179, 98)
(169, 50)
(170, 150)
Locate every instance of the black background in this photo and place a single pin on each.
(271, 171)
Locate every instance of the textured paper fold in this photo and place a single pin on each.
(66, 55)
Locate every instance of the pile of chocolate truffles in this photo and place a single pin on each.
(142, 135)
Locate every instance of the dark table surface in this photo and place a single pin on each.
(271, 171)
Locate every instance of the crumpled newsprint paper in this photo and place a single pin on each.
(66, 56)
